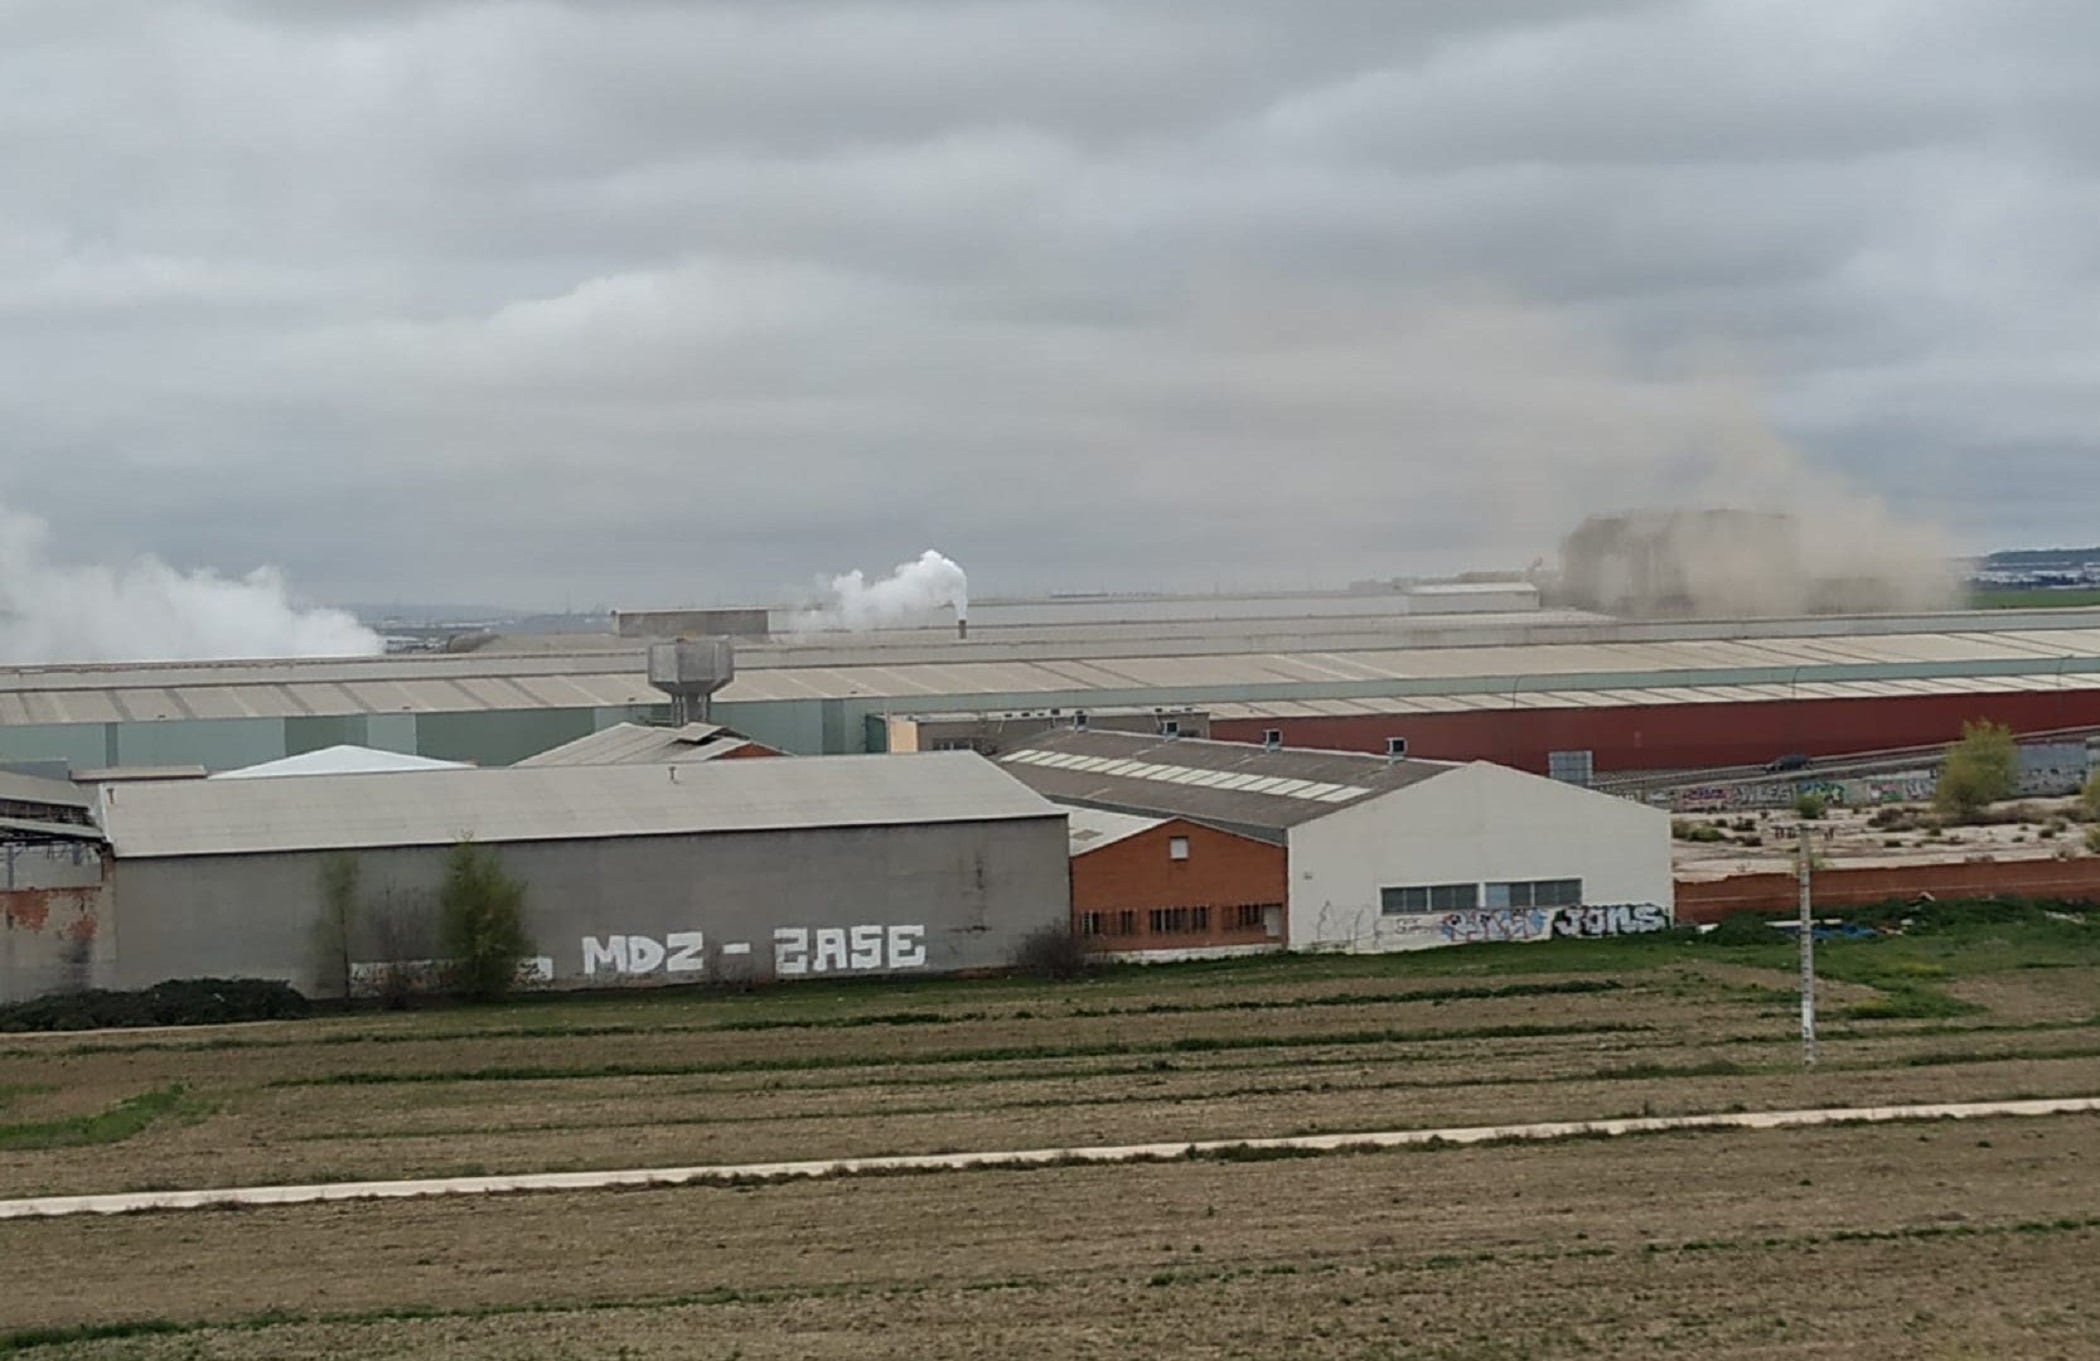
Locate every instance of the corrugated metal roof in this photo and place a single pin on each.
(1249, 667)
(554, 803)
(340, 760)
(1231, 784)
(1089, 829)
(640, 744)
(34, 789)
(28, 829)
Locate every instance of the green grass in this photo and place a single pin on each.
(1187, 1044)
(1911, 1003)
(126, 1119)
(11, 1092)
(2034, 598)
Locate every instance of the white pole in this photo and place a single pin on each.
(1808, 958)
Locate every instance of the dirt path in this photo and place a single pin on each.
(50, 1207)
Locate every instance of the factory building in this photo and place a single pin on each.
(1511, 688)
(1387, 853)
(1576, 735)
(52, 891)
(721, 870)
(1152, 889)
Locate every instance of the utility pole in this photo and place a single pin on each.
(1808, 956)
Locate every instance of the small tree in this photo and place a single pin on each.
(2089, 797)
(1979, 770)
(1810, 805)
(404, 937)
(338, 922)
(481, 923)
(1052, 952)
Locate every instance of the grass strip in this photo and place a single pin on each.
(122, 1121)
(1186, 1044)
(850, 1021)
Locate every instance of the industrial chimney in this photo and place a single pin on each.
(690, 670)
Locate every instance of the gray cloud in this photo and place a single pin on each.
(547, 302)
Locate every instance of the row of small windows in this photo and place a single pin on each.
(1404, 899)
(1174, 921)
(1536, 893)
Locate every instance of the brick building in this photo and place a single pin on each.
(1168, 888)
(1378, 853)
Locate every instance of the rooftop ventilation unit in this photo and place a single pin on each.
(690, 671)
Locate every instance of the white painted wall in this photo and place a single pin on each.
(1476, 824)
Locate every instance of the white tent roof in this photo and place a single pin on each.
(345, 760)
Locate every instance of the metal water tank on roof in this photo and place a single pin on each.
(690, 671)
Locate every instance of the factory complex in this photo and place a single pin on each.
(1343, 778)
(1546, 691)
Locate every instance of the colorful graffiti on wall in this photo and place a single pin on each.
(1498, 923)
(1621, 919)
(1540, 923)
(2047, 770)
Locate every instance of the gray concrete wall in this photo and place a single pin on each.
(54, 931)
(715, 623)
(808, 903)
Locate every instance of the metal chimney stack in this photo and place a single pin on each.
(690, 670)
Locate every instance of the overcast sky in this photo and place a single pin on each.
(615, 300)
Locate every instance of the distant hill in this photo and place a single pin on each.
(2043, 559)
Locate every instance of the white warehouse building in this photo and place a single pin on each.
(1388, 854)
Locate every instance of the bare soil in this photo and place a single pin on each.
(1976, 1240)
(1947, 1239)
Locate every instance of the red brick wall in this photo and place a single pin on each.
(1709, 902)
(1123, 883)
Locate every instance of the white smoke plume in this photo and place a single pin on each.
(914, 594)
(146, 610)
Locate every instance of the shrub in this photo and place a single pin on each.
(1743, 928)
(404, 937)
(184, 1001)
(338, 921)
(1978, 771)
(1810, 806)
(481, 923)
(1684, 829)
(2092, 839)
(2089, 797)
(1052, 952)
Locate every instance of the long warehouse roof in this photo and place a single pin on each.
(556, 803)
(1647, 671)
(1228, 783)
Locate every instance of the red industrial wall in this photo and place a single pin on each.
(1680, 736)
(1116, 888)
(1712, 900)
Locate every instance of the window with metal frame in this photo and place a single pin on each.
(1403, 899)
(1535, 893)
